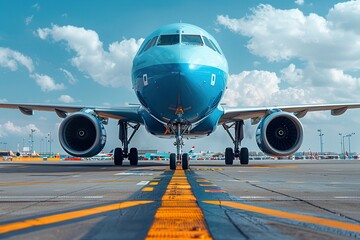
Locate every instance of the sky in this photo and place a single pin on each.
(80, 53)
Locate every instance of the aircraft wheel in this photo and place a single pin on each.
(172, 161)
(185, 161)
(244, 156)
(229, 156)
(133, 157)
(118, 156)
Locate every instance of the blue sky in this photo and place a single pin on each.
(279, 53)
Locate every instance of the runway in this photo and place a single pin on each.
(272, 199)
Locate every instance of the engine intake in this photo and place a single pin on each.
(279, 134)
(82, 134)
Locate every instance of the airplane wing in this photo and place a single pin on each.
(129, 113)
(257, 113)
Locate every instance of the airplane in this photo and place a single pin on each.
(179, 76)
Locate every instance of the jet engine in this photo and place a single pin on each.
(279, 134)
(82, 134)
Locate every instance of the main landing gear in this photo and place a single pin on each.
(231, 154)
(179, 158)
(121, 153)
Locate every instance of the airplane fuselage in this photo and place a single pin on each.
(179, 75)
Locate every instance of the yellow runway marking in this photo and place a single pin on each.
(147, 189)
(154, 183)
(179, 216)
(216, 191)
(10, 227)
(202, 180)
(291, 216)
(207, 185)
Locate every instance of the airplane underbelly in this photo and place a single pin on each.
(169, 89)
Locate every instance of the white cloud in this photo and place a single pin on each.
(251, 88)
(3, 100)
(69, 76)
(46, 83)
(262, 88)
(28, 20)
(278, 35)
(299, 2)
(109, 68)
(36, 6)
(345, 16)
(292, 75)
(66, 99)
(12, 59)
(9, 128)
(327, 48)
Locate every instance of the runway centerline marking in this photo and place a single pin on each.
(56, 218)
(291, 216)
(179, 216)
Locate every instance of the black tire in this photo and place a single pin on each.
(133, 157)
(229, 156)
(244, 156)
(118, 156)
(185, 161)
(172, 161)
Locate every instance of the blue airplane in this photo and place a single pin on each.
(179, 75)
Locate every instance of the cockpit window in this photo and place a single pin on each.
(215, 46)
(191, 40)
(169, 39)
(149, 44)
(210, 44)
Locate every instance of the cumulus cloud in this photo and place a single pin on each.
(262, 88)
(28, 20)
(69, 76)
(46, 83)
(3, 100)
(66, 99)
(9, 128)
(326, 47)
(12, 59)
(110, 67)
(278, 35)
(299, 2)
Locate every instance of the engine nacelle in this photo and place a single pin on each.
(82, 134)
(279, 134)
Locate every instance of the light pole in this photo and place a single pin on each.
(321, 141)
(343, 140)
(50, 140)
(341, 143)
(350, 135)
(32, 140)
(46, 145)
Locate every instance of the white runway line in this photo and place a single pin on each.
(143, 183)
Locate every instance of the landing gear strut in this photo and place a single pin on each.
(243, 153)
(121, 153)
(179, 129)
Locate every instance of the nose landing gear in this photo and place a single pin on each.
(179, 158)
